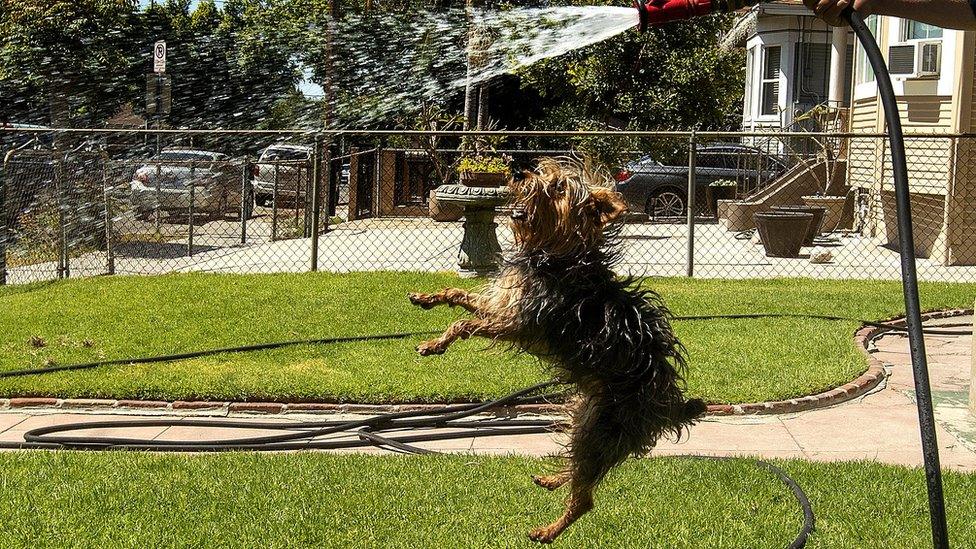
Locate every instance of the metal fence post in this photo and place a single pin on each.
(691, 204)
(159, 191)
(274, 205)
(107, 197)
(4, 230)
(64, 269)
(325, 198)
(189, 221)
(316, 173)
(245, 196)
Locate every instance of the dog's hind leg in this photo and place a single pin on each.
(454, 297)
(580, 502)
(597, 444)
(462, 329)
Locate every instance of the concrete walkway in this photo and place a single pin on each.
(881, 426)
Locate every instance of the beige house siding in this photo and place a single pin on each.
(930, 166)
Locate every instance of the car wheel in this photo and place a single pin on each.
(666, 203)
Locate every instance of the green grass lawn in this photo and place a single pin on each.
(118, 317)
(68, 499)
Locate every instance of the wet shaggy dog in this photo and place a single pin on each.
(556, 297)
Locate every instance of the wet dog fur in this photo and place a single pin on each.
(557, 297)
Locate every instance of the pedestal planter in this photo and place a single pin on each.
(834, 206)
(782, 233)
(479, 246)
(815, 226)
(482, 179)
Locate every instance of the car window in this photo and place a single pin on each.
(284, 154)
(643, 164)
(184, 156)
(715, 159)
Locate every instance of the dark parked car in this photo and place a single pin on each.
(661, 191)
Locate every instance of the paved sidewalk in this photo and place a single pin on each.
(880, 426)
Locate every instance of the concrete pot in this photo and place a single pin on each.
(834, 206)
(782, 233)
(815, 226)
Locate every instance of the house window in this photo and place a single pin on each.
(921, 31)
(769, 101)
(863, 71)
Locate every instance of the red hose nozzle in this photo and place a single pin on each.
(655, 12)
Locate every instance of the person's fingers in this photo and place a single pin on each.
(832, 14)
(828, 10)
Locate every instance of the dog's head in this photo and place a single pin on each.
(563, 207)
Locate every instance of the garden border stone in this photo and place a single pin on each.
(860, 386)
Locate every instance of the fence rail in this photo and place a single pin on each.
(80, 202)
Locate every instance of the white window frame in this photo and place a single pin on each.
(781, 86)
(747, 99)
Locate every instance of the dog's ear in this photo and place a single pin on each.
(606, 205)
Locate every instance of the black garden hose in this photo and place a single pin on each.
(909, 278)
(404, 335)
(306, 436)
(372, 431)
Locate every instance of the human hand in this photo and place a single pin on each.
(830, 10)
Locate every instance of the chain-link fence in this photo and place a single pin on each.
(79, 203)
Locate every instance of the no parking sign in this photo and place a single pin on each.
(159, 57)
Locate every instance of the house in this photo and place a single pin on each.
(788, 55)
(932, 75)
(791, 61)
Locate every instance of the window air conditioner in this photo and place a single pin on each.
(915, 60)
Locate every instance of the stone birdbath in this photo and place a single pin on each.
(479, 251)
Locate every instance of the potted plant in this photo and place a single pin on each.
(483, 170)
(719, 190)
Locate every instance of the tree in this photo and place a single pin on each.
(71, 60)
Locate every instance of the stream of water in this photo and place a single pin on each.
(396, 63)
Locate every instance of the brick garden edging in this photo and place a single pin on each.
(861, 385)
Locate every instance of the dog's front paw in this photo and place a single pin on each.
(544, 534)
(423, 301)
(432, 347)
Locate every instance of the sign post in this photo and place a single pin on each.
(158, 90)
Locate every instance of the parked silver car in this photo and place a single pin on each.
(287, 167)
(165, 183)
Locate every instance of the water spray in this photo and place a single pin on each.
(655, 12)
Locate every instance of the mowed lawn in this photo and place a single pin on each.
(71, 499)
(120, 317)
